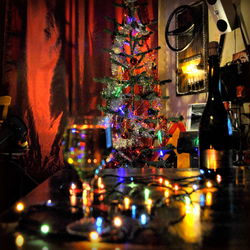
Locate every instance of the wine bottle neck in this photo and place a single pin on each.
(214, 76)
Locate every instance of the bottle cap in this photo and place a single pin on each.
(213, 48)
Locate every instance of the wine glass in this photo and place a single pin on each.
(87, 146)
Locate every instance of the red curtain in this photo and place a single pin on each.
(51, 51)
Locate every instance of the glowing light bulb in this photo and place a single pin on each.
(218, 178)
(99, 221)
(49, 203)
(117, 221)
(100, 183)
(70, 161)
(209, 199)
(94, 236)
(176, 187)
(166, 193)
(133, 208)
(195, 186)
(45, 228)
(167, 183)
(202, 200)
(146, 193)
(19, 240)
(73, 200)
(143, 219)
(209, 184)
(149, 203)
(160, 180)
(73, 186)
(19, 207)
(126, 202)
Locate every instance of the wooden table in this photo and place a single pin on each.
(214, 218)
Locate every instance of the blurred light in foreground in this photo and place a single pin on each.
(160, 180)
(149, 203)
(195, 186)
(167, 193)
(117, 221)
(176, 187)
(209, 184)
(99, 221)
(187, 200)
(126, 203)
(133, 208)
(45, 228)
(19, 240)
(167, 183)
(209, 198)
(202, 200)
(93, 236)
(70, 161)
(143, 219)
(218, 178)
(146, 193)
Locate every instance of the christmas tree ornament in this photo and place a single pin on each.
(132, 95)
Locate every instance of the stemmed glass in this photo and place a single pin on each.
(87, 145)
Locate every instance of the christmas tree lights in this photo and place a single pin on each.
(132, 94)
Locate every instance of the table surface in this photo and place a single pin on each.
(217, 217)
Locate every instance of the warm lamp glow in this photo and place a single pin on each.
(19, 207)
(190, 69)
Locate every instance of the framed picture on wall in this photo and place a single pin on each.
(192, 24)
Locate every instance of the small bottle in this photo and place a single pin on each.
(215, 129)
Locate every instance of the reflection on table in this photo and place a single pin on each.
(134, 209)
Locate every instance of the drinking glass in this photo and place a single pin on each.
(87, 146)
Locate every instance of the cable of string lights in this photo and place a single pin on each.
(123, 210)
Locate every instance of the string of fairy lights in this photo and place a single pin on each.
(130, 205)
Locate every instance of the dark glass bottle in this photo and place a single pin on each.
(215, 130)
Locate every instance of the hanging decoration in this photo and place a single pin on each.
(132, 94)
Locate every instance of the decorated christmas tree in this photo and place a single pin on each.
(132, 94)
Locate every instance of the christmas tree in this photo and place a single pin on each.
(132, 96)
